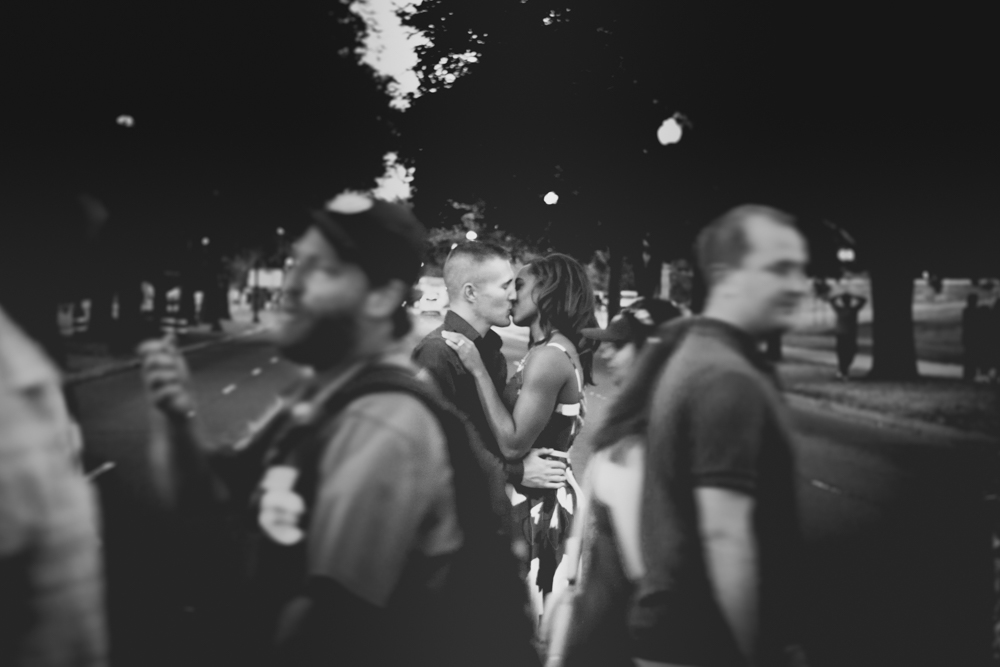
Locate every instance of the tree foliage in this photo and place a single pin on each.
(183, 121)
(877, 124)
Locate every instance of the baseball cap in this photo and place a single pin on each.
(636, 322)
(385, 239)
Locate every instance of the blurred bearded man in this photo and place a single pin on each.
(380, 537)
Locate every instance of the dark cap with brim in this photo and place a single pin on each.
(635, 323)
(618, 331)
(386, 240)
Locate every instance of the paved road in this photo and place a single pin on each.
(898, 541)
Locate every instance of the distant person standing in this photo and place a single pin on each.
(847, 306)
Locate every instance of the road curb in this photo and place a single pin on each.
(885, 421)
(80, 377)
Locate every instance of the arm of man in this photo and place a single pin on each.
(728, 425)
(725, 519)
(377, 485)
(544, 376)
(179, 446)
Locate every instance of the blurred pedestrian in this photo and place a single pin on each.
(846, 306)
(51, 574)
(628, 332)
(543, 404)
(587, 623)
(719, 522)
(379, 525)
(480, 283)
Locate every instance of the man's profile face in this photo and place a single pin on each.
(321, 305)
(771, 281)
(494, 291)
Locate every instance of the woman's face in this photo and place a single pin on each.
(619, 357)
(524, 311)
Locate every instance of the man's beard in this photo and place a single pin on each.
(326, 342)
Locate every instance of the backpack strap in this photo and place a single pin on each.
(306, 441)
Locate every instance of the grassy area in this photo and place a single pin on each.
(937, 319)
(951, 403)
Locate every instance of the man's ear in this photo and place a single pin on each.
(469, 292)
(383, 301)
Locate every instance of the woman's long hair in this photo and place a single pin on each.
(565, 301)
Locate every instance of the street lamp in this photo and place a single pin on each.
(672, 129)
(204, 241)
(471, 235)
(550, 198)
(845, 255)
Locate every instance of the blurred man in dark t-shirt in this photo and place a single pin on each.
(719, 522)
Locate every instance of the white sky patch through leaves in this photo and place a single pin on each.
(390, 47)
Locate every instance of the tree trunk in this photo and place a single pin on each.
(128, 328)
(615, 257)
(893, 347)
(188, 311)
(215, 304)
(646, 266)
(160, 289)
(101, 324)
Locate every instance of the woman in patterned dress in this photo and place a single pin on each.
(543, 404)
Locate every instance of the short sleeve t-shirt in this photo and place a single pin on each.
(717, 420)
(384, 500)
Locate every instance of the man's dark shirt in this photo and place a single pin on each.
(459, 385)
(717, 420)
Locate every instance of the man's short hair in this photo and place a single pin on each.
(464, 255)
(724, 241)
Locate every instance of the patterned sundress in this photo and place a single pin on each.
(545, 516)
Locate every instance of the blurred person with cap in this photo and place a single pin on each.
(378, 524)
(628, 332)
(721, 542)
